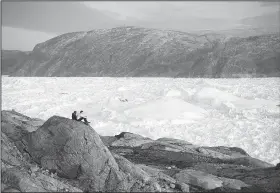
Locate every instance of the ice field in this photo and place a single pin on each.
(228, 112)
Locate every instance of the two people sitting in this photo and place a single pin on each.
(79, 117)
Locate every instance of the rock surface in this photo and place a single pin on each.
(38, 182)
(16, 125)
(11, 60)
(66, 155)
(130, 140)
(277, 167)
(9, 152)
(198, 178)
(134, 52)
(18, 173)
(208, 181)
(201, 168)
(73, 150)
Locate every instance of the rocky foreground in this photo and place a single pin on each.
(65, 155)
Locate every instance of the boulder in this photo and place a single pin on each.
(277, 167)
(122, 151)
(130, 140)
(233, 155)
(16, 125)
(73, 149)
(108, 140)
(198, 178)
(208, 181)
(266, 179)
(162, 157)
(3, 187)
(233, 183)
(183, 151)
(250, 162)
(212, 153)
(12, 126)
(129, 168)
(172, 186)
(10, 153)
(219, 154)
(169, 146)
(173, 141)
(223, 152)
(184, 187)
(10, 190)
(157, 145)
(227, 152)
(18, 179)
(137, 179)
(157, 174)
(220, 169)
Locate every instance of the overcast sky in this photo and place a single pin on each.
(24, 24)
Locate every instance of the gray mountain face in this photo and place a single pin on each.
(11, 60)
(269, 21)
(131, 51)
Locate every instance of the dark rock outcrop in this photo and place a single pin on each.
(179, 152)
(18, 173)
(67, 155)
(38, 182)
(201, 168)
(9, 152)
(141, 52)
(72, 149)
(76, 152)
(277, 167)
(16, 125)
(11, 61)
(129, 140)
(208, 181)
(108, 140)
(267, 179)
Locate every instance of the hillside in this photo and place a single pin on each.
(131, 51)
(269, 21)
(11, 59)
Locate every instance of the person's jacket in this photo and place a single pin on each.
(74, 116)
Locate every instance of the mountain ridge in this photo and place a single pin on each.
(144, 52)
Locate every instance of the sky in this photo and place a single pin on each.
(25, 24)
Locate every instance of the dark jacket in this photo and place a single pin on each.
(74, 116)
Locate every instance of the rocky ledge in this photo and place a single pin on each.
(65, 155)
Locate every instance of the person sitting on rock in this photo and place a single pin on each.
(74, 116)
(80, 117)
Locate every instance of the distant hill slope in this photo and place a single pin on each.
(11, 59)
(131, 51)
(269, 21)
